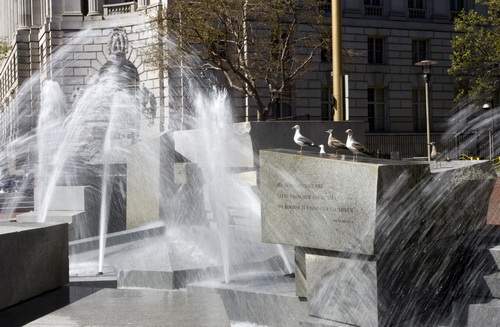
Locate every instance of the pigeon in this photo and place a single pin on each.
(435, 154)
(302, 140)
(322, 149)
(355, 147)
(334, 143)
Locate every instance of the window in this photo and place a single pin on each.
(456, 5)
(419, 50)
(419, 4)
(326, 102)
(374, 7)
(375, 50)
(283, 109)
(326, 55)
(416, 9)
(376, 109)
(373, 2)
(418, 109)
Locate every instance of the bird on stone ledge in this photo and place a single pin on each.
(436, 155)
(302, 140)
(354, 146)
(334, 143)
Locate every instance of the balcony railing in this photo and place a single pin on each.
(374, 10)
(120, 8)
(417, 13)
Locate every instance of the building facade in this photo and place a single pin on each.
(382, 84)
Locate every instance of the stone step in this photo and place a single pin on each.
(267, 299)
(484, 314)
(493, 281)
(139, 307)
(495, 252)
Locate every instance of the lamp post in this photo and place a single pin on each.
(488, 106)
(426, 74)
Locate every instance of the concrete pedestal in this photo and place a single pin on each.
(34, 260)
(378, 242)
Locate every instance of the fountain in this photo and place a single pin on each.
(376, 242)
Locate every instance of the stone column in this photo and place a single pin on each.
(143, 3)
(37, 16)
(95, 8)
(24, 12)
(72, 8)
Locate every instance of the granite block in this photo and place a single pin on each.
(484, 314)
(261, 298)
(395, 288)
(493, 281)
(371, 206)
(35, 257)
(324, 203)
(112, 307)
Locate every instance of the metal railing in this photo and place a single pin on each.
(411, 145)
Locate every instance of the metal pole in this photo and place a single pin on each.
(427, 116)
(337, 60)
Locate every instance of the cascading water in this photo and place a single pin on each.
(99, 126)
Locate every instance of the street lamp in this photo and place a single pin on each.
(487, 106)
(426, 74)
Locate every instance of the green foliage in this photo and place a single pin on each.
(260, 46)
(476, 51)
(4, 49)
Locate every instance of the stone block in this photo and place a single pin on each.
(35, 260)
(493, 281)
(484, 314)
(370, 206)
(262, 299)
(64, 198)
(393, 289)
(77, 221)
(150, 166)
(109, 307)
(129, 278)
(319, 202)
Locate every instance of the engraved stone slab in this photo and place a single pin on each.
(368, 207)
(325, 203)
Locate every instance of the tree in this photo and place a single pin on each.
(476, 51)
(4, 49)
(260, 46)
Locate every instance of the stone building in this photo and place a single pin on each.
(384, 87)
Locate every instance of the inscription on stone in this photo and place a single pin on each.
(315, 202)
(288, 191)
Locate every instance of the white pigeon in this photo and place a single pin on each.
(354, 146)
(302, 140)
